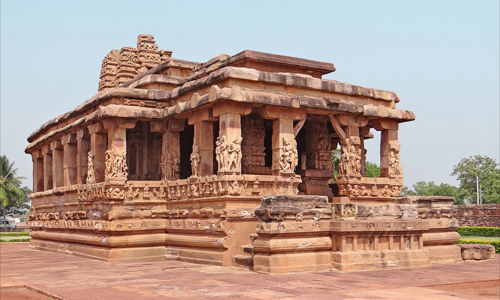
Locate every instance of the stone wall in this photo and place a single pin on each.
(487, 215)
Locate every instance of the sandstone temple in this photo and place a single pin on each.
(229, 162)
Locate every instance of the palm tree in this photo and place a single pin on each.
(10, 191)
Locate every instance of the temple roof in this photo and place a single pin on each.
(174, 86)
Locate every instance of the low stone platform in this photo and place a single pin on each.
(71, 277)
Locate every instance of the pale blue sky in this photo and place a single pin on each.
(440, 57)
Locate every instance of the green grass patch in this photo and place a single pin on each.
(24, 233)
(15, 240)
(480, 238)
(479, 231)
(495, 244)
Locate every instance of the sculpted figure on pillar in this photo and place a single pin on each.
(395, 169)
(289, 157)
(228, 155)
(116, 165)
(350, 163)
(170, 166)
(323, 143)
(234, 154)
(195, 161)
(221, 153)
(90, 170)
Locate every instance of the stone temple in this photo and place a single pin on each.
(229, 162)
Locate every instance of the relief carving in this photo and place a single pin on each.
(234, 155)
(228, 155)
(350, 163)
(116, 165)
(395, 169)
(289, 157)
(195, 161)
(170, 166)
(90, 168)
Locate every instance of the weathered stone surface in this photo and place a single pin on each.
(386, 211)
(477, 251)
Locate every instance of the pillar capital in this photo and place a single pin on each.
(69, 139)
(110, 124)
(273, 113)
(82, 134)
(229, 107)
(97, 127)
(384, 124)
(56, 144)
(203, 115)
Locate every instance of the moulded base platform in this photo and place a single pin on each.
(291, 262)
(379, 260)
(102, 253)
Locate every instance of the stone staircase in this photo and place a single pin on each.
(245, 259)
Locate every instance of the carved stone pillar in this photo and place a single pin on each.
(83, 148)
(253, 132)
(116, 163)
(228, 145)
(285, 157)
(363, 132)
(57, 163)
(37, 171)
(347, 127)
(70, 159)
(318, 150)
(47, 168)
(98, 148)
(171, 149)
(204, 140)
(389, 149)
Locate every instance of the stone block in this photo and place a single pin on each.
(477, 251)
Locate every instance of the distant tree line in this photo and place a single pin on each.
(478, 177)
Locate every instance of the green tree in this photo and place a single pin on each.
(372, 170)
(429, 188)
(335, 162)
(478, 169)
(10, 192)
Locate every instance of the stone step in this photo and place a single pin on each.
(248, 249)
(243, 260)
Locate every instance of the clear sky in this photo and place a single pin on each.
(440, 57)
